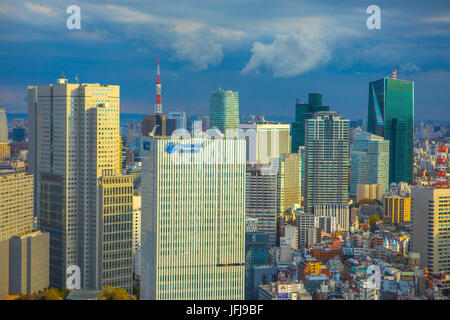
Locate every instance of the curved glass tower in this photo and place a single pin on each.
(391, 115)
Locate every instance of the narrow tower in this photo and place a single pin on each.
(158, 105)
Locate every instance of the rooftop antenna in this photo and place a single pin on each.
(76, 79)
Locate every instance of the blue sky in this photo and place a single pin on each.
(270, 51)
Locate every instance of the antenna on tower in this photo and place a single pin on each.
(394, 74)
(158, 104)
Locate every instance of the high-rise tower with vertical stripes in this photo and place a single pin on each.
(327, 160)
(193, 219)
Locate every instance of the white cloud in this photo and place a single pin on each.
(438, 19)
(200, 53)
(288, 55)
(40, 9)
(408, 68)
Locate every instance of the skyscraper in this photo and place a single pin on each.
(74, 141)
(289, 181)
(262, 199)
(369, 160)
(326, 162)
(391, 115)
(430, 212)
(193, 219)
(224, 110)
(3, 126)
(16, 203)
(266, 141)
(304, 111)
(116, 206)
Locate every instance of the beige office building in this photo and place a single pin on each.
(73, 140)
(266, 141)
(5, 151)
(431, 228)
(369, 191)
(24, 253)
(290, 181)
(16, 203)
(116, 205)
(29, 263)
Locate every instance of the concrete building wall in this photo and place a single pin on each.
(4, 269)
(29, 262)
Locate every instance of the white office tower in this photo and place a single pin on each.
(193, 219)
(340, 212)
(81, 199)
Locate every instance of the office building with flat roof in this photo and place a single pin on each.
(193, 219)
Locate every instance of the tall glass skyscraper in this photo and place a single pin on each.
(369, 160)
(304, 111)
(391, 115)
(326, 161)
(224, 110)
(193, 219)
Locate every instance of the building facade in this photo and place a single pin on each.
(430, 210)
(16, 203)
(224, 110)
(391, 115)
(369, 160)
(289, 181)
(150, 122)
(116, 206)
(261, 199)
(266, 141)
(326, 161)
(74, 139)
(304, 111)
(369, 191)
(397, 209)
(193, 219)
(3, 126)
(340, 212)
(29, 263)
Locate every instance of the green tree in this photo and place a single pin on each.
(55, 294)
(113, 293)
(367, 201)
(136, 292)
(374, 219)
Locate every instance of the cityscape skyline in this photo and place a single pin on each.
(128, 58)
(169, 152)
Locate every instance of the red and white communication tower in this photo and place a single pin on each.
(441, 168)
(394, 74)
(158, 104)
